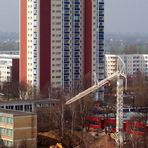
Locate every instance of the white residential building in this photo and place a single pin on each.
(133, 63)
(7, 67)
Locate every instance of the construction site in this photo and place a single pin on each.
(85, 123)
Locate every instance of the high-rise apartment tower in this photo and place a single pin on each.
(61, 42)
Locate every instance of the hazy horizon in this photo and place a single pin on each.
(124, 16)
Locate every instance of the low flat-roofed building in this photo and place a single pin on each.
(18, 129)
(28, 105)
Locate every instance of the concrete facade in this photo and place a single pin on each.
(9, 68)
(18, 129)
(133, 63)
(64, 42)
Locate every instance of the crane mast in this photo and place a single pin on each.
(119, 111)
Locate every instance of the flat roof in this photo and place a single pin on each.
(16, 113)
(9, 56)
(36, 101)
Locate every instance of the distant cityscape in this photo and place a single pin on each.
(114, 42)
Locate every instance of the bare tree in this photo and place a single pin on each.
(27, 91)
(59, 94)
(135, 139)
(138, 85)
(130, 49)
(73, 117)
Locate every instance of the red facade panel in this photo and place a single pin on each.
(45, 25)
(23, 41)
(88, 41)
(15, 70)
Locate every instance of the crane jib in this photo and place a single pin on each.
(93, 88)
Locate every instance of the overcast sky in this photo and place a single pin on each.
(9, 15)
(126, 16)
(120, 15)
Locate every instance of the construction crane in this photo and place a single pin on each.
(120, 74)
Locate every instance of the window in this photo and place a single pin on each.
(7, 132)
(8, 143)
(9, 120)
